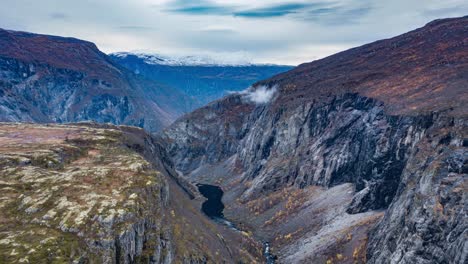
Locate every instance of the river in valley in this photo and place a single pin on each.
(213, 207)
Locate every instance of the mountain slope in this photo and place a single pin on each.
(378, 128)
(421, 71)
(55, 79)
(88, 193)
(202, 79)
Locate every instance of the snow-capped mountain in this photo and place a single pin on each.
(191, 60)
(202, 78)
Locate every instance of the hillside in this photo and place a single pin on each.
(56, 79)
(88, 193)
(419, 72)
(360, 157)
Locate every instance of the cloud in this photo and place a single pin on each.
(443, 12)
(202, 10)
(201, 7)
(261, 94)
(58, 16)
(336, 16)
(272, 11)
(273, 31)
(205, 7)
(135, 28)
(324, 12)
(219, 30)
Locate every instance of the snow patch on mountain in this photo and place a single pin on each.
(202, 60)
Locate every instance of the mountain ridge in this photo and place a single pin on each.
(191, 60)
(375, 74)
(55, 79)
(360, 156)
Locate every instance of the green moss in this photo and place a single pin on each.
(41, 245)
(99, 163)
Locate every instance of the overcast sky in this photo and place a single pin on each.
(274, 31)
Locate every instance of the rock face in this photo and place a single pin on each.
(55, 79)
(203, 81)
(426, 222)
(87, 193)
(389, 117)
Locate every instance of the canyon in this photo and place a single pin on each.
(360, 157)
(91, 193)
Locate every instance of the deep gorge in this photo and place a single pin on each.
(213, 207)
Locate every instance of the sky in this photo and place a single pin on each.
(263, 31)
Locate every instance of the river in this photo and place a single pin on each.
(213, 207)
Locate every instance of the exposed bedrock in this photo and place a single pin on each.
(350, 139)
(426, 222)
(415, 165)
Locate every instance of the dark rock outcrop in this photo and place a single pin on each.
(208, 135)
(389, 117)
(426, 222)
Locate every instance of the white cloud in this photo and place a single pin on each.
(261, 94)
(126, 25)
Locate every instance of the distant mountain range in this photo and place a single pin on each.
(56, 79)
(192, 60)
(203, 79)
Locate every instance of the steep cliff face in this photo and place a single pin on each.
(54, 79)
(208, 135)
(426, 222)
(88, 193)
(348, 140)
(388, 117)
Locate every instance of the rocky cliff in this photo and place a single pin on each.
(55, 79)
(88, 193)
(364, 151)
